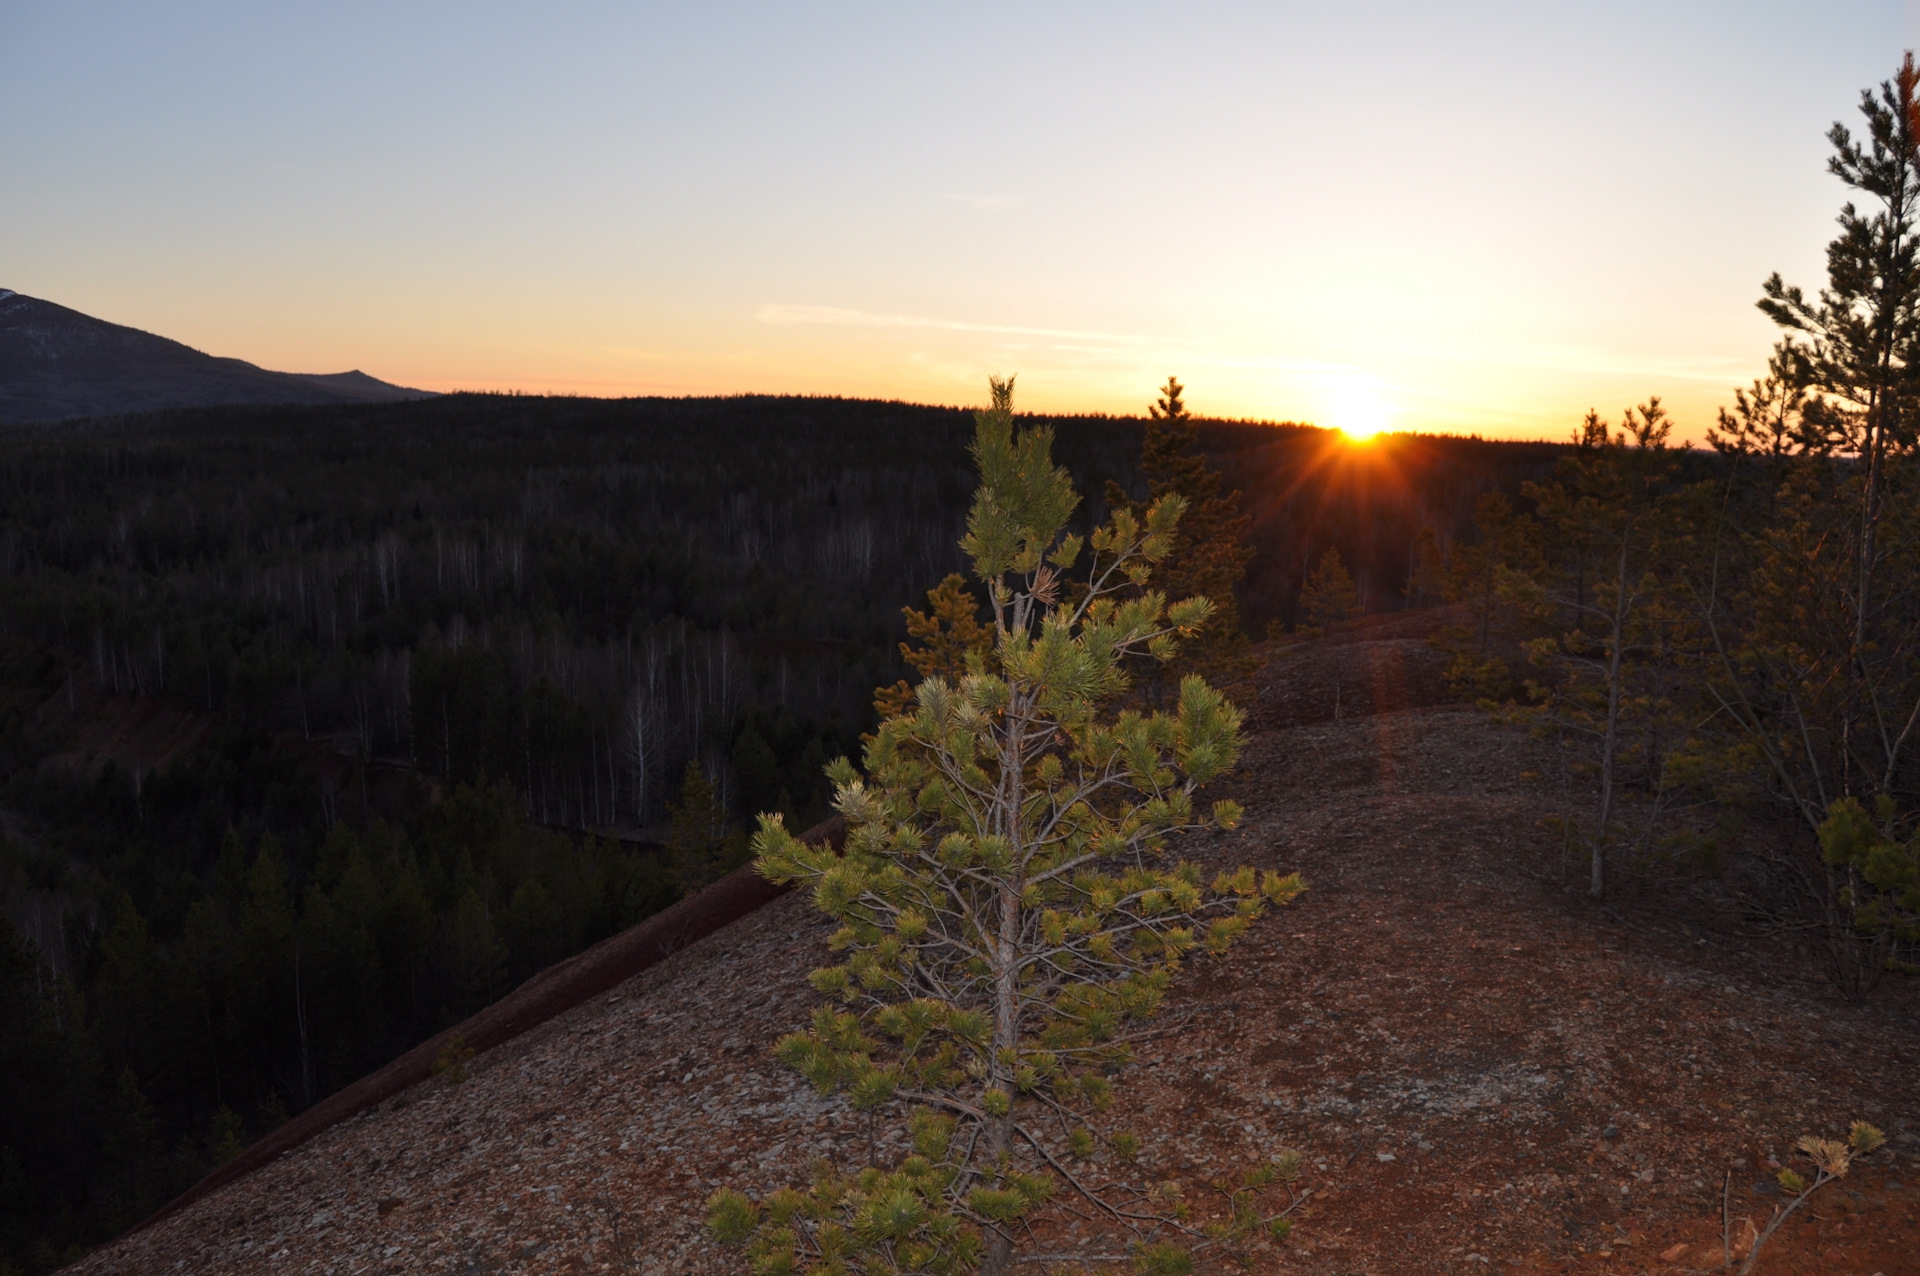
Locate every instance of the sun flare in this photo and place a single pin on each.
(1356, 409)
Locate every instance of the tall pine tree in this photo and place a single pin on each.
(1819, 648)
(1209, 555)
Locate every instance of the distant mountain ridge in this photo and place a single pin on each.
(57, 364)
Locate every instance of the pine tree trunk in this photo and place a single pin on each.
(997, 1259)
(1869, 526)
(1610, 743)
(300, 1014)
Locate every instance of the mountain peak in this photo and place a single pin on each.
(57, 364)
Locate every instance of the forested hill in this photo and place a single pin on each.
(577, 595)
(403, 661)
(57, 363)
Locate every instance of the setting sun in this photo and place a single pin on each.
(1356, 409)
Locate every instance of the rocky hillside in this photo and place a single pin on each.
(1483, 1076)
(57, 363)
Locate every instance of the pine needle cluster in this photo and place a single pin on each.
(1830, 1160)
(949, 631)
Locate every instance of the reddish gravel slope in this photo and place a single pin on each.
(1484, 1076)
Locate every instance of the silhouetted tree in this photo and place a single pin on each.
(1329, 597)
(1612, 532)
(702, 847)
(1210, 554)
(1812, 600)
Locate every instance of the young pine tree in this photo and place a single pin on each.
(949, 631)
(1859, 339)
(1427, 567)
(1505, 542)
(1819, 640)
(1612, 523)
(1328, 598)
(1008, 918)
(1208, 555)
(701, 848)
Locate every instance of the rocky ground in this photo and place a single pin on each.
(1482, 1074)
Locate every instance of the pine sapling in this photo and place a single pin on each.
(455, 1054)
(949, 631)
(1831, 1159)
(1328, 598)
(1008, 919)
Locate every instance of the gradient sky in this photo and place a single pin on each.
(1468, 217)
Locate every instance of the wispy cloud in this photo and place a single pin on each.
(834, 315)
(985, 203)
(1067, 342)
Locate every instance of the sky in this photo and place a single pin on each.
(1462, 218)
